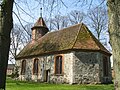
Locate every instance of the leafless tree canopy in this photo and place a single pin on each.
(98, 21)
(19, 38)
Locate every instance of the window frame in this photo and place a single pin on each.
(62, 65)
(105, 67)
(23, 67)
(35, 72)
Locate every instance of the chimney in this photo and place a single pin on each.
(39, 29)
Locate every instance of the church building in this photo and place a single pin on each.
(71, 55)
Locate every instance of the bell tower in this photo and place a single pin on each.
(39, 29)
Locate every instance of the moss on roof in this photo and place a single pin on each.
(74, 37)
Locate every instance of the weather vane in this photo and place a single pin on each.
(40, 12)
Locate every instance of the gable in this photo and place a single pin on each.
(86, 40)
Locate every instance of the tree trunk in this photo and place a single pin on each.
(114, 31)
(6, 24)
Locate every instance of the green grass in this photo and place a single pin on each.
(20, 85)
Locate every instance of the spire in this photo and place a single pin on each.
(39, 29)
(40, 23)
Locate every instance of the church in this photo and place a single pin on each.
(71, 55)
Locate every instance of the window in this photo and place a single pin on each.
(58, 65)
(23, 69)
(105, 66)
(35, 67)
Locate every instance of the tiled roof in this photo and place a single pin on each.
(71, 38)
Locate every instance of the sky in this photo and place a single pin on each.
(32, 8)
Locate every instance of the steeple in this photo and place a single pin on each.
(39, 29)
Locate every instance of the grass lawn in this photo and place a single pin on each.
(18, 85)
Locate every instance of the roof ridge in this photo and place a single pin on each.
(63, 29)
(77, 35)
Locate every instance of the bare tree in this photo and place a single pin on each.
(19, 38)
(76, 17)
(97, 20)
(16, 35)
(6, 24)
(114, 31)
(59, 22)
(27, 34)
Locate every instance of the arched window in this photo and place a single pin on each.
(58, 65)
(23, 69)
(105, 66)
(35, 66)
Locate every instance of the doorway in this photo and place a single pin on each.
(46, 75)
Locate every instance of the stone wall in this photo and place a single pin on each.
(86, 67)
(67, 76)
(105, 79)
(78, 67)
(47, 63)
